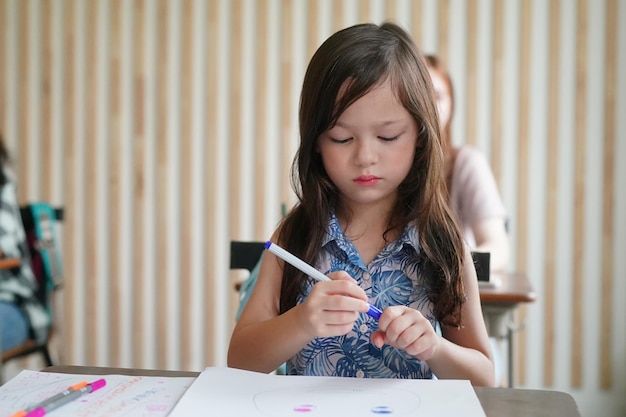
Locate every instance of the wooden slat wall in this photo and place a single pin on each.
(522, 219)
(608, 201)
(552, 148)
(167, 128)
(578, 308)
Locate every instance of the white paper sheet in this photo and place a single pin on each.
(122, 396)
(232, 392)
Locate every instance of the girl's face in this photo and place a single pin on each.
(370, 150)
(444, 100)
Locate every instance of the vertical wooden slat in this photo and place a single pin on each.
(578, 306)
(101, 188)
(549, 292)
(125, 250)
(45, 93)
(496, 90)
(313, 32)
(211, 156)
(186, 181)
(235, 112)
(161, 189)
(173, 185)
(608, 195)
(472, 78)
(417, 11)
(364, 11)
(391, 10)
(70, 226)
(285, 99)
(10, 85)
(338, 14)
(523, 167)
(90, 192)
(22, 148)
(139, 171)
(114, 140)
(198, 239)
(4, 98)
(261, 101)
(443, 23)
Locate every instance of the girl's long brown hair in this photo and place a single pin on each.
(366, 55)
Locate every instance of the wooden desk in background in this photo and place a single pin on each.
(498, 304)
(495, 401)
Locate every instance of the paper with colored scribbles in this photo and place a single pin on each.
(122, 396)
(232, 392)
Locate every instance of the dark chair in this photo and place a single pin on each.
(482, 264)
(245, 255)
(39, 220)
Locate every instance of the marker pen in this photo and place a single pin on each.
(43, 409)
(296, 262)
(52, 399)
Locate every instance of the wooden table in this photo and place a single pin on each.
(496, 402)
(499, 302)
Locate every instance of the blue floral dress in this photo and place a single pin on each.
(391, 279)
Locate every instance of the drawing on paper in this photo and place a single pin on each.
(342, 401)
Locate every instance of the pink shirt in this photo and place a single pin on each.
(474, 194)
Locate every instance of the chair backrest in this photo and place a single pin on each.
(482, 264)
(245, 255)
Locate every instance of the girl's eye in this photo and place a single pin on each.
(388, 139)
(334, 140)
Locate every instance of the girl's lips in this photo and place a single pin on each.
(367, 180)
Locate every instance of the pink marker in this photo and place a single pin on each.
(45, 407)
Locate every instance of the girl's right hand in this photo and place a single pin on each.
(333, 306)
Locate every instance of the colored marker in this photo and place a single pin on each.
(296, 262)
(58, 396)
(46, 406)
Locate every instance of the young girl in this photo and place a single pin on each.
(372, 215)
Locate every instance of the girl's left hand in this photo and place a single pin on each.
(407, 329)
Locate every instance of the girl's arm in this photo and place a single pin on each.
(263, 340)
(465, 353)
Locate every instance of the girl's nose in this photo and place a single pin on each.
(365, 152)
